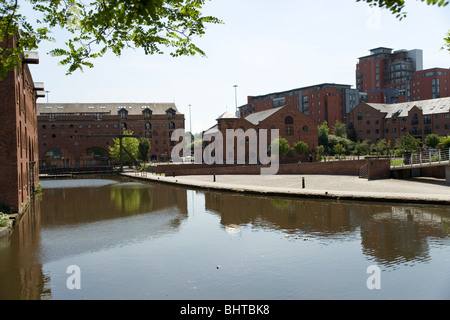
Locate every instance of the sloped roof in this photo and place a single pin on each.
(112, 108)
(257, 117)
(431, 106)
(226, 115)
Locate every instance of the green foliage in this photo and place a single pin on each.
(301, 147)
(397, 7)
(319, 152)
(100, 26)
(143, 149)
(407, 142)
(323, 132)
(4, 218)
(432, 140)
(361, 148)
(131, 144)
(283, 146)
(339, 149)
(340, 129)
(445, 142)
(334, 140)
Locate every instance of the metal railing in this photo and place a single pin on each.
(424, 158)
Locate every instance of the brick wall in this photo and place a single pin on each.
(18, 143)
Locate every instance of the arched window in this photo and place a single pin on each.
(148, 126)
(123, 126)
(288, 120)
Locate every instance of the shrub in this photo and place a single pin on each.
(4, 218)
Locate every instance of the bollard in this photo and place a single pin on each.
(303, 182)
(214, 177)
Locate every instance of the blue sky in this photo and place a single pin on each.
(263, 46)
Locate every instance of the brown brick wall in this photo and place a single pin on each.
(18, 143)
(74, 134)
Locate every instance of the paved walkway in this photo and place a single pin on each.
(419, 190)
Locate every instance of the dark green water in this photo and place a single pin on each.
(138, 240)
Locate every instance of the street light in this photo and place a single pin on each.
(190, 120)
(235, 95)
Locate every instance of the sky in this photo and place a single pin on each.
(262, 47)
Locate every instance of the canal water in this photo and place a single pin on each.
(116, 238)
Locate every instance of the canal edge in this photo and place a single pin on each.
(304, 195)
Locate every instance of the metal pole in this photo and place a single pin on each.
(235, 95)
(190, 120)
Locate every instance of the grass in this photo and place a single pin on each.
(396, 162)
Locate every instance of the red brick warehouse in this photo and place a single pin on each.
(292, 125)
(18, 132)
(70, 134)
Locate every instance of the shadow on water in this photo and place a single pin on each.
(83, 216)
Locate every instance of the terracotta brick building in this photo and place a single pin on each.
(322, 102)
(292, 124)
(375, 121)
(79, 134)
(18, 132)
(387, 76)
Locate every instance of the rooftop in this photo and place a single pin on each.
(431, 106)
(112, 108)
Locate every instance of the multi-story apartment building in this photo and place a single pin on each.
(18, 132)
(80, 134)
(323, 102)
(375, 121)
(387, 76)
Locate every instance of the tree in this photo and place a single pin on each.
(407, 142)
(339, 149)
(323, 131)
(432, 140)
(283, 146)
(301, 147)
(340, 129)
(101, 26)
(143, 148)
(320, 150)
(445, 142)
(361, 148)
(131, 144)
(397, 7)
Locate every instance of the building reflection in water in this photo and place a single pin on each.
(94, 216)
(99, 215)
(390, 233)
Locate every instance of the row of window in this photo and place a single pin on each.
(414, 130)
(148, 126)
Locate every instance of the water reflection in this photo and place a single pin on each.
(82, 217)
(389, 233)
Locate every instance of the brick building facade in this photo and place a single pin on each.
(292, 125)
(322, 102)
(387, 76)
(376, 121)
(80, 134)
(18, 132)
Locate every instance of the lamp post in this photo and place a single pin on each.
(190, 120)
(235, 95)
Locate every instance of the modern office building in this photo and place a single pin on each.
(80, 134)
(18, 132)
(322, 102)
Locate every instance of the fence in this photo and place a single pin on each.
(427, 157)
